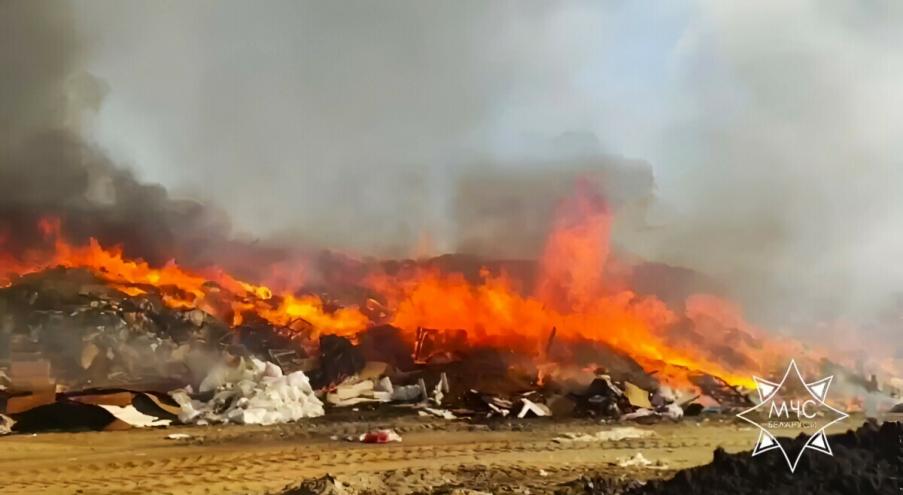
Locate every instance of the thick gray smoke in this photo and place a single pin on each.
(349, 124)
(760, 139)
(36, 57)
(49, 169)
(780, 162)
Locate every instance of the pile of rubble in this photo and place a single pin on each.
(73, 344)
(250, 392)
(76, 353)
(92, 335)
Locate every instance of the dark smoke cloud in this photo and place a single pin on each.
(507, 213)
(47, 168)
(377, 198)
(347, 124)
(38, 51)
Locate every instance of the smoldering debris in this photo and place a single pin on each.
(91, 335)
(81, 345)
(6, 424)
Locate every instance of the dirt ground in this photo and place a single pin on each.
(501, 457)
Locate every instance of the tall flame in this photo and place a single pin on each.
(572, 264)
(570, 296)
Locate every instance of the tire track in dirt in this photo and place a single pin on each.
(219, 470)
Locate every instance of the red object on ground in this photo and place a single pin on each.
(380, 436)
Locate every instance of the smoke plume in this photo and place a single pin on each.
(755, 144)
(48, 167)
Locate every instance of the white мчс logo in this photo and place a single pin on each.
(795, 405)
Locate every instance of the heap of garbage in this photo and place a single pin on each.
(250, 392)
(73, 345)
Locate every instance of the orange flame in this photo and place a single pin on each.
(183, 288)
(570, 295)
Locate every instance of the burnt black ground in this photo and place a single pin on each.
(868, 460)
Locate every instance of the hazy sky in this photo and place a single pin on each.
(771, 127)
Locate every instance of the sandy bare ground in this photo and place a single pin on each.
(238, 459)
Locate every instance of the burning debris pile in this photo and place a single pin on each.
(94, 335)
(80, 347)
(451, 335)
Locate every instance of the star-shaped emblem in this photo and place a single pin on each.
(792, 403)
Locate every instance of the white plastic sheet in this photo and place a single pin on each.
(253, 392)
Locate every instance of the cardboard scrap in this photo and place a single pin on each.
(637, 396)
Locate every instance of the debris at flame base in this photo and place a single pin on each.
(79, 344)
(6, 424)
(612, 435)
(251, 392)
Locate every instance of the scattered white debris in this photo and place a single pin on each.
(6, 424)
(535, 408)
(498, 410)
(253, 392)
(440, 390)
(543, 473)
(442, 413)
(177, 436)
(639, 460)
(410, 393)
(386, 384)
(355, 390)
(664, 395)
(135, 417)
(670, 411)
(613, 435)
(639, 413)
(673, 411)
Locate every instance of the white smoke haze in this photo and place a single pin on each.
(754, 142)
(789, 189)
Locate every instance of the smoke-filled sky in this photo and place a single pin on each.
(753, 141)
